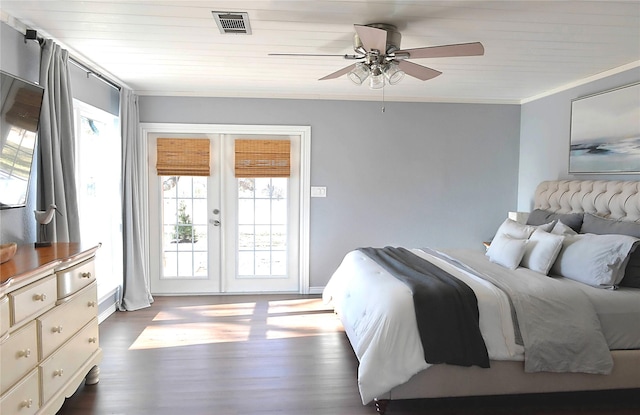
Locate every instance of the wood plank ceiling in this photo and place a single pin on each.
(175, 47)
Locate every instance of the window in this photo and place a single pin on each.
(98, 182)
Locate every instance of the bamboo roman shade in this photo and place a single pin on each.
(183, 157)
(263, 158)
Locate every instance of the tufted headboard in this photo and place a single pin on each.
(607, 198)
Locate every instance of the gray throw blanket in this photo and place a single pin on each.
(446, 308)
(559, 325)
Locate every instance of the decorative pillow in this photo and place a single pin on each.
(539, 216)
(596, 260)
(506, 250)
(598, 225)
(601, 226)
(562, 229)
(541, 251)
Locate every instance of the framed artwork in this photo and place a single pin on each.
(605, 132)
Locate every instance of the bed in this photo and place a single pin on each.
(378, 312)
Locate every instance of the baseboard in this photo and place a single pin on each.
(316, 290)
(106, 313)
(107, 304)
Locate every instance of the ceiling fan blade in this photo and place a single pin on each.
(444, 51)
(372, 38)
(418, 71)
(339, 73)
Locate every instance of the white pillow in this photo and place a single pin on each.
(597, 260)
(506, 250)
(562, 229)
(541, 251)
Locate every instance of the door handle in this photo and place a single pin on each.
(214, 222)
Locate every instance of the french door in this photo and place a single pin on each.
(185, 246)
(222, 234)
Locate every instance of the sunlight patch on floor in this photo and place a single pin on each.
(299, 318)
(312, 304)
(190, 334)
(281, 329)
(237, 322)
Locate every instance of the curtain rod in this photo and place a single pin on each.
(33, 35)
(98, 75)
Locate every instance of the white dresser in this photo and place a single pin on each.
(48, 327)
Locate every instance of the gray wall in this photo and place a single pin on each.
(420, 174)
(23, 60)
(91, 90)
(544, 137)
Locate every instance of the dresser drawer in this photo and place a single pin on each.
(71, 280)
(63, 364)
(18, 355)
(34, 299)
(24, 398)
(58, 325)
(5, 321)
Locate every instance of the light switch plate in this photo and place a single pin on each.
(318, 191)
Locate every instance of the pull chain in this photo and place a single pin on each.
(383, 98)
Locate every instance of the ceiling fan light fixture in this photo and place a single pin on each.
(393, 73)
(376, 81)
(359, 74)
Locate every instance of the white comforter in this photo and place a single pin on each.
(381, 322)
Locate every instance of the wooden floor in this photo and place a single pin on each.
(260, 355)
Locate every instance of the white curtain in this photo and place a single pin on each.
(136, 291)
(56, 148)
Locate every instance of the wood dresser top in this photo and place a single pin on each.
(28, 259)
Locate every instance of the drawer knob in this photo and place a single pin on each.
(27, 403)
(58, 372)
(57, 329)
(93, 339)
(39, 297)
(91, 304)
(86, 275)
(24, 353)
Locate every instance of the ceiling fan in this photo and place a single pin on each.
(381, 60)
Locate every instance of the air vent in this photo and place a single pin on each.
(232, 22)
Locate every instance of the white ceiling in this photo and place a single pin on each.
(175, 48)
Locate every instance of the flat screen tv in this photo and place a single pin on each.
(20, 102)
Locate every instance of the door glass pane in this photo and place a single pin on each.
(245, 210)
(279, 262)
(279, 212)
(246, 237)
(262, 211)
(184, 239)
(262, 227)
(245, 263)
